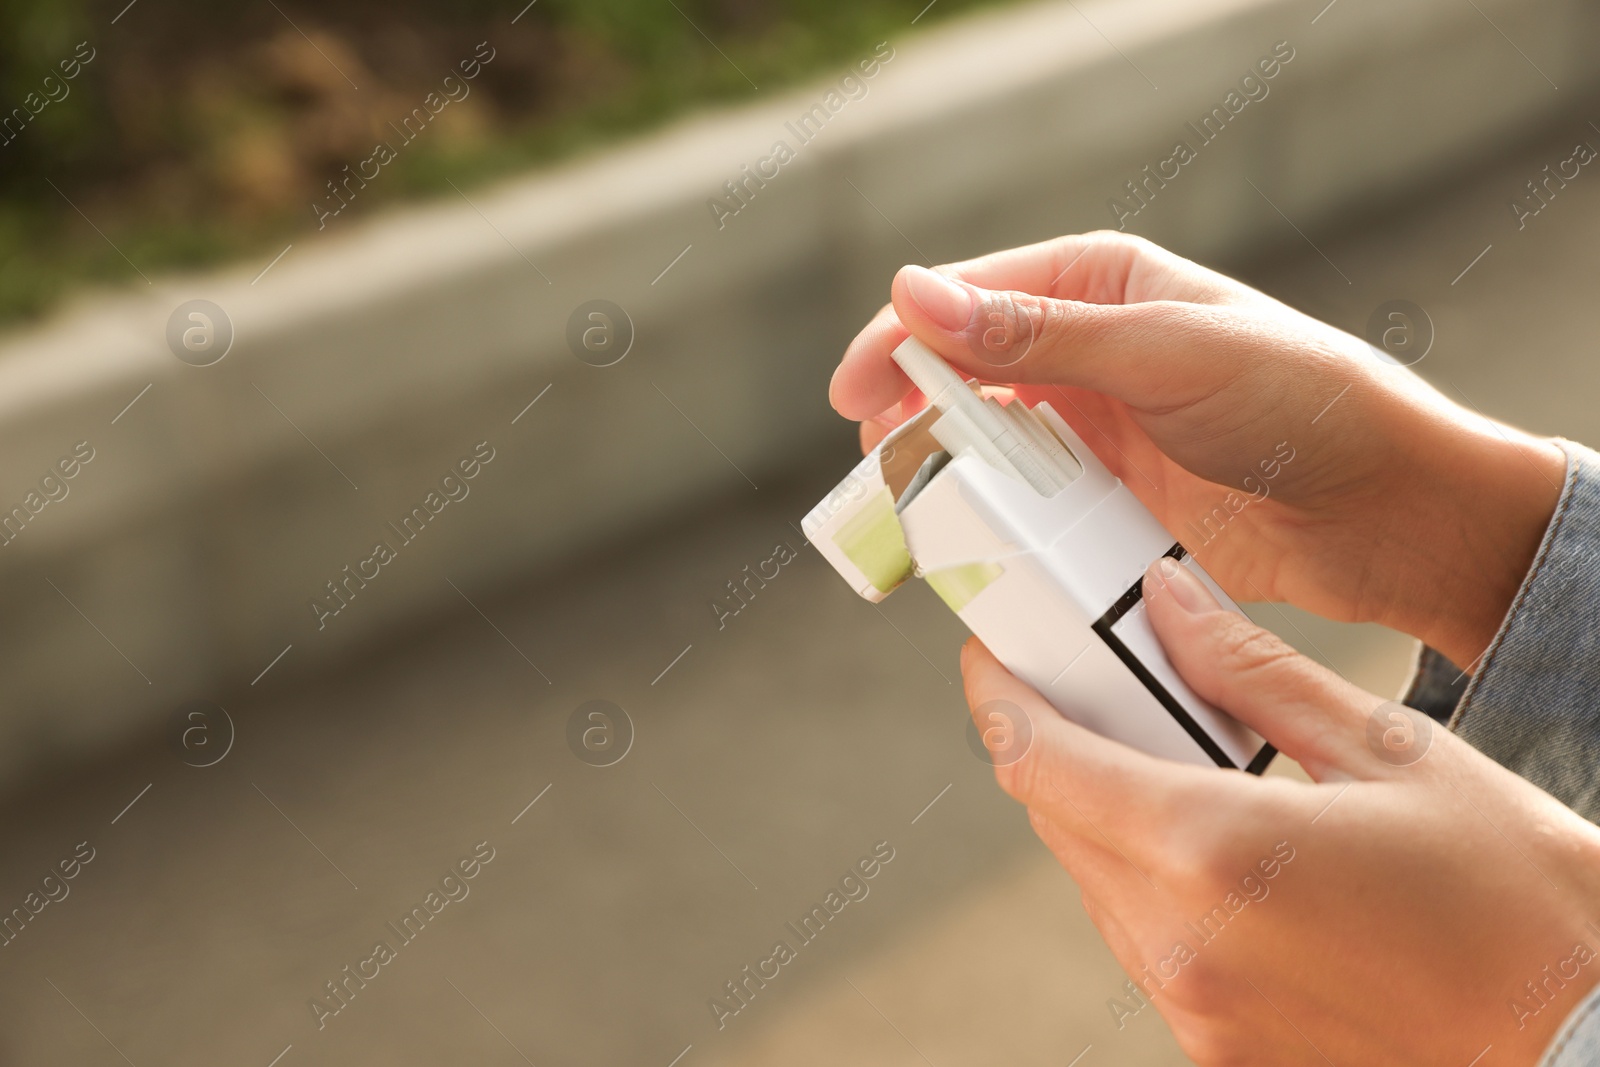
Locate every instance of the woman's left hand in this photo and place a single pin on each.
(1397, 911)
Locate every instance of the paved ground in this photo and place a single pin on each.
(768, 758)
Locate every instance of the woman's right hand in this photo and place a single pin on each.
(1285, 454)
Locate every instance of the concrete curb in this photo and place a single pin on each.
(186, 554)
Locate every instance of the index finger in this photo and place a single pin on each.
(867, 380)
(1080, 270)
(1104, 267)
(1061, 267)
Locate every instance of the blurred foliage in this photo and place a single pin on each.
(200, 131)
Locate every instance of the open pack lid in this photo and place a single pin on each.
(856, 527)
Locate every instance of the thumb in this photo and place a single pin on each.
(1309, 713)
(1144, 354)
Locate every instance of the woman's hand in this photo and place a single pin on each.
(1399, 912)
(1395, 506)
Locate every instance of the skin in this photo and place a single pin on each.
(1427, 884)
(1184, 381)
(1419, 900)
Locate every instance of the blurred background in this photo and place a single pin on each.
(528, 294)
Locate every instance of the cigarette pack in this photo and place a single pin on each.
(1047, 575)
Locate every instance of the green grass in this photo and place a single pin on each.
(151, 168)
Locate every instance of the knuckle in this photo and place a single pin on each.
(1049, 832)
(1069, 326)
(1193, 858)
(1056, 319)
(1014, 779)
(1207, 1039)
(1041, 823)
(1119, 239)
(1127, 248)
(1206, 990)
(1026, 778)
(1244, 649)
(1199, 857)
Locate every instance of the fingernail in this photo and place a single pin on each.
(942, 300)
(1190, 592)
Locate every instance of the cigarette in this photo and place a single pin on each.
(987, 429)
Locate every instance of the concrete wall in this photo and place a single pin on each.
(375, 354)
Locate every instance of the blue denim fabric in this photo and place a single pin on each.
(1534, 703)
(1578, 1042)
(1436, 685)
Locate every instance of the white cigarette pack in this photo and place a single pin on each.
(1050, 583)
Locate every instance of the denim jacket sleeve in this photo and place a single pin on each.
(1577, 1043)
(1534, 703)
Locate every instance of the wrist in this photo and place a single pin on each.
(1546, 1003)
(1475, 528)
